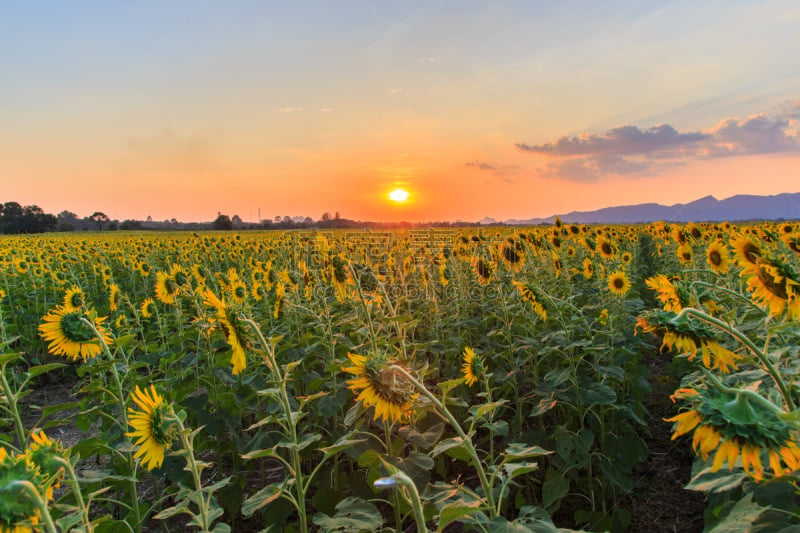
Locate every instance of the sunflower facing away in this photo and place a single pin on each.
(737, 429)
(153, 431)
(690, 338)
(379, 385)
(68, 335)
(528, 294)
(18, 513)
(231, 328)
(669, 294)
(472, 367)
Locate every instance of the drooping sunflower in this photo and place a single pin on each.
(717, 257)
(148, 308)
(74, 299)
(689, 338)
(379, 385)
(618, 283)
(153, 430)
(512, 257)
(473, 366)
(528, 294)
(746, 250)
(68, 335)
(232, 329)
(340, 276)
(669, 294)
(557, 265)
(44, 453)
(776, 285)
(737, 428)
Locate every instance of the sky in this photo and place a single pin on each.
(504, 109)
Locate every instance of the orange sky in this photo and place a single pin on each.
(506, 110)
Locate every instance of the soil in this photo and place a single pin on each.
(659, 503)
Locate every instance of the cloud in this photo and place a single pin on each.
(481, 166)
(622, 140)
(288, 109)
(631, 151)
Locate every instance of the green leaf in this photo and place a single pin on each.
(342, 444)
(181, 507)
(517, 469)
(553, 490)
(456, 511)
(6, 358)
(721, 481)
(598, 394)
(41, 369)
(516, 451)
(741, 518)
(544, 405)
(257, 454)
(424, 440)
(447, 444)
(268, 494)
(353, 515)
(447, 386)
(482, 410)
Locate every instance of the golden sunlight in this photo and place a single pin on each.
(399, 195)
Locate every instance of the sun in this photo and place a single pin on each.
(399, 196)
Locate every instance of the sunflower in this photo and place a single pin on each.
(18, 513)
(603, 318)
(43, 452)
(238, 291)
(557, 266)
(529, 295)
(153, 430)
(736, 427)
(472, 367)
(232, 329)
(512, 257)
(166, 288)
(21, 265)
(774, 284)
(588, 268)
(690, 338)
(717, 257)
(669, 294)
(379, 385)
(200, 274)
(68, 335)
(340, 275)
(746, 251)
(618, 283)
(74, 299)
(483, 270)
(684, 253)
(113, 297)
(606, 249)
(148, 308)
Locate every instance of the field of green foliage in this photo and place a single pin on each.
(487, 379)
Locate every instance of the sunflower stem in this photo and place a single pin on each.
(771, 370)
(272, 364)
(137, 516)
(188, 446)
(40, 503)
(476, 462)
(76, 491)
(12, 407)
(757, 398)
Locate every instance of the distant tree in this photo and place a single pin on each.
(29, 219)
(337, 216)
(326, 216)
(66, 221)
(308, 221)
(99, 218)
(237, 221)
(222, 222)
(130, 225)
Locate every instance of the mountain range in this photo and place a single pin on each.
(784, 206)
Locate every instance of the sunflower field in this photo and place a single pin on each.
(471, 379)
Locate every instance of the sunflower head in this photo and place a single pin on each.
(148, 308)
(685, 254)
(43, 452)
(379, 384)
(69, 335)
(734, 425)
(603, 318)
(74, 299)
(482, 269)
(529, 294)
(746, 250)
(717, 257)
(618, 283)
(588, 268)
(154, 426)
(473, 367)
(776, 284)
(18, 511)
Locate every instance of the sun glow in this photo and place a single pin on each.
(399, 196)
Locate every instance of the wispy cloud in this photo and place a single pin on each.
(289, 110)
(630, 151)
(499, 170)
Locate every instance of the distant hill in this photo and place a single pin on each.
(784, 206)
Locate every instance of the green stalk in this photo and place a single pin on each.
(40, 503)
(76, 491)
(476, 462)
(188, 447)
(13, 408)
(771, 370)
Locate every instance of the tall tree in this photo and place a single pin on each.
(98, 217)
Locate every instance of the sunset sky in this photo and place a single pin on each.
(183, 109)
